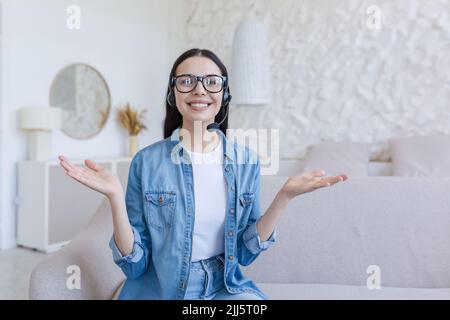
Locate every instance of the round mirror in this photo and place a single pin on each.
(83, 95)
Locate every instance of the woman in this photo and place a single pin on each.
(191, 213)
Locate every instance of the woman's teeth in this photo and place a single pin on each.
(199, 105)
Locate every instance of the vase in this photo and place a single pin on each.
(133, 147)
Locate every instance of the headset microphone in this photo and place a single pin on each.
(215, 125)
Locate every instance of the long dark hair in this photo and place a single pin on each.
(174, 119)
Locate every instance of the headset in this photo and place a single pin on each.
(225, 100)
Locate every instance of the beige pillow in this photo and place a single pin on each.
(421, 156)
(351, 158)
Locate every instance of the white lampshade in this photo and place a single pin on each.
(38, 123)
(250, 69)
(39, 118)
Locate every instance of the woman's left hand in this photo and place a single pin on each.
(307, 182)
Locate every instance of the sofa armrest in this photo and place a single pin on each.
(87, 253)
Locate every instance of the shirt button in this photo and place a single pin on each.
(230, 233)
(230, 257)
(227, 169)
(232, 188)
(232, 210)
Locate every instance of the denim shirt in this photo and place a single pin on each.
(160, 206)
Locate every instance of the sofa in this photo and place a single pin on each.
(329, 241)
(328, 244)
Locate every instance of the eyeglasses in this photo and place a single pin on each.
(188, 82)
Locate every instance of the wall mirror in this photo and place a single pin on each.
(83, 95)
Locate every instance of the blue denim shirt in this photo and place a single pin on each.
(160, 205)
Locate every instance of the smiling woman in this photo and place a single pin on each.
(185, 95)
(184, 227)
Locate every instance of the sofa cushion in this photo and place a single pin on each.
(337, 158)
(421, 156)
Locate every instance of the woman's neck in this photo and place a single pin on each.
(196, 138)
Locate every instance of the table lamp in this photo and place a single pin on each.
(38, 123)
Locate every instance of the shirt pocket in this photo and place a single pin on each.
(160, 207)
(245, 205)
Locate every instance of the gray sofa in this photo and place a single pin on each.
(326, 240)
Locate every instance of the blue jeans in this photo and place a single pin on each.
(206, 282)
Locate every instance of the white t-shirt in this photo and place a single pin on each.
(210, 203)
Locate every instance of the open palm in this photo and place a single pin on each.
(307, 182)
(94, 176)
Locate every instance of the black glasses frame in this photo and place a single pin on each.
(197, 79)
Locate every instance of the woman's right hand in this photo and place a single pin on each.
(94, 176)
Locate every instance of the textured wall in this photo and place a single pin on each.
(333, 77)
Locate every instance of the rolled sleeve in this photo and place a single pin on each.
(253, 242)
(136, 254)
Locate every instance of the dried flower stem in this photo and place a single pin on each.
(131, 119)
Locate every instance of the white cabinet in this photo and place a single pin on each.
(52, 207)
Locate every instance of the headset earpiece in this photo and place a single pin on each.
(171, 96)
(226, 94)
(171, 99)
